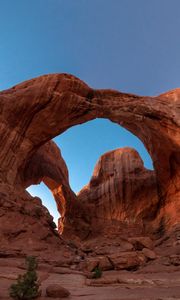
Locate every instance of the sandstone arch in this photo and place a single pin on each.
(34, 112)
(47, 165)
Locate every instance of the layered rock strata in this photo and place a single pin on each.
(47, 165)
(35, 111)
(120, 189)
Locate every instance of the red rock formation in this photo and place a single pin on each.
(47, 165)
(34, 112)
(25, 224)
(120, 189)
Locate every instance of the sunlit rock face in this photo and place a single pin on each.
(35, 111)
(121, 189)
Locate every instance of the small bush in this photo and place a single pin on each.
(97, 272)
(27, 287)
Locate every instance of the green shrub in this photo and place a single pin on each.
(27, 287)
(97, 272)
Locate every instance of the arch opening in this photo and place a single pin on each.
(82, 147)
(43, 192)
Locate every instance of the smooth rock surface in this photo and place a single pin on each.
(57, 291)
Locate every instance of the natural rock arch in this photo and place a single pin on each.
(47, 165)
(34, 112)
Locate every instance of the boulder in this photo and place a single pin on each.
(149, 254)
(141, 242)
(105, 264)
(57, 291)
(127, 260)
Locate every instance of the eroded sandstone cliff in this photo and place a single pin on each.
(120, 189)
(34, 112)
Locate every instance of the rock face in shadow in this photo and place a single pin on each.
(120, 189)
(35, 111)
(47, 165)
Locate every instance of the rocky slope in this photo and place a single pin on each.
(135, 268)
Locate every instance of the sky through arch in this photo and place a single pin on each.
(81, 146)
(88, 142)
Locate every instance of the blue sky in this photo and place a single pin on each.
(129, 45)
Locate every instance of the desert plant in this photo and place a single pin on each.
(27, 286)
(97, 272)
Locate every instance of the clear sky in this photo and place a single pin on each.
(129, 45)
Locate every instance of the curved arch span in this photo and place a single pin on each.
(37, 110)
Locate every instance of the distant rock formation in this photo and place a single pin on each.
(120, 189)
